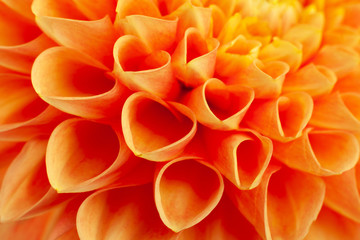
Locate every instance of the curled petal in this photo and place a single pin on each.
(342, 195)
(142, 70)
(337, 111)
(320, 152)
(94, 38)
(236, 55)
(154, 129)
(24, 114)
(94, 151)
(284, 205)
(218, 106)
(282, 119)
(137, 7)
(282, 50)
(15, 29)
(218, 20)
(121, 213)
(224, 222)
(194, 58)
(309, 36)
(331, 226)
(314, 79)
(25, 186)
(241, 156)
(20, 58)
(199, 188)
(341, 59)
(265, 78)
(156, 33)
(74, 83)
(96, 9)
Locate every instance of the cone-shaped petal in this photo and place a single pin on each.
(15, 29)
(141, 69)
(337, 111)
(225, 222)
(320, 152)
(313, 79)
(25, 183)
(94, 151)
(154, 129)
(94, 38)
(341, 59)
(241, 156)
(121, 213)
(236, 55)
(20, 58)
(24, 115)
(74, 83)
(156, 33)
(342, 195)
(282, 50)
(218, 106)
(199, 188)
(194, 58)
(265, 78)
(331, 226)
(281, 119)
(284, 205)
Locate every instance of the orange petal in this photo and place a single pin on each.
(20, 58)
(121, 213)
(284, 205)
(8, 151)
(309, 36)
(94, 38)
(350, 83)
(236, 55)
(339, 58)
(96, 9)
(199, 188)
(57, 9)
(142, 70)
(22, 7)
(218, 20)
(25, 185)
(156, 33)
(76, 84)
(241, 156)
(224, 222)
(93, 150)
(342, 195)
(137, 7)
(265, 78)
(281, 119)
(24, 114)
(331, 226)
(314, 79)
(282, 50)
(342, 35)
(218, 106)
(154, 129)
(194, 58)
(15, 29)
(320, 152)
(351, 16)
(337, 111)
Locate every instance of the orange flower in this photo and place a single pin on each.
(179, 119)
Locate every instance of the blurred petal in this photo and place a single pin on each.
(241, 156)
(154, 129)
(140, 69)
(320, 152)
(284, 205)
(194, 58)
(94, 151)
(282, 119)
(137, 7)
(121, 213)
(218, 106)
(199, 188)
(74, 83)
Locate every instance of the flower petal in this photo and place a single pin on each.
(199, 188)
(154, 129)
